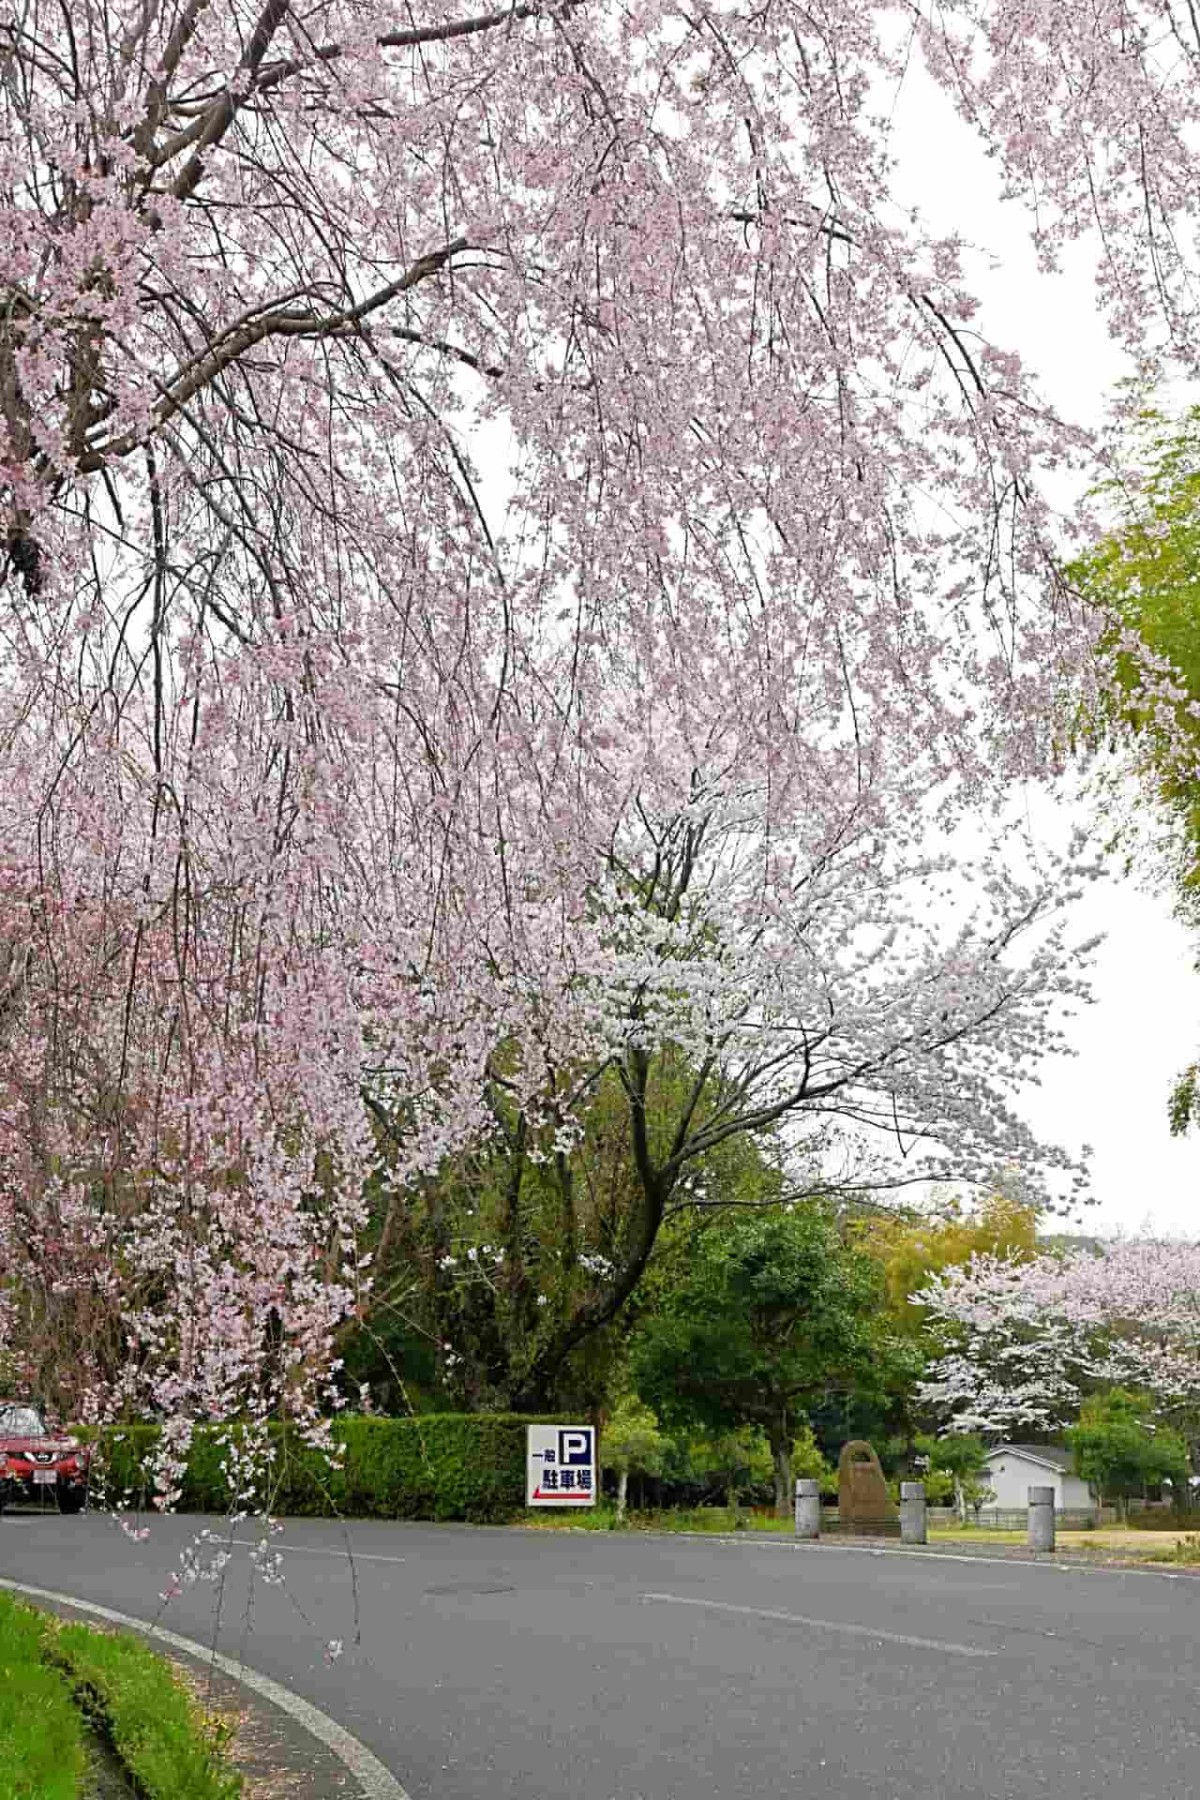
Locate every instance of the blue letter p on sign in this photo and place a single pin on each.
(575, 1448)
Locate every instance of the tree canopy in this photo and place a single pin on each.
(913, 1248)
(773, 1314)
(960, 1458)
(517, 557)
(505, 1278)
(1120, 1451)
(632, 1445)
(1023, 1345)
(1144, 576)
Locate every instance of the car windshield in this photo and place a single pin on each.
(21, 1421)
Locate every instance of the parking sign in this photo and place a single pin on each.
(560, 1465)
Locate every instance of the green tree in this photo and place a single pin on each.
(631, 1444)
(502, 1280)
(730, 1462)
(961, 1457)
(913, 1247)
(740, 1461)
(1120, 1451)
(809, 1459)
(774, 1312)
(1144, 576)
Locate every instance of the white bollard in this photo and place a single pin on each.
(912, 1513)
(1041, 1518)
(808, 1507)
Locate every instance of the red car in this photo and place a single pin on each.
(36, 1462)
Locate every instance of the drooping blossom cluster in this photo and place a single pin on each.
(1026, 1342)
(512, 542)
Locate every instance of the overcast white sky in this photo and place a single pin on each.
(1145, 1025)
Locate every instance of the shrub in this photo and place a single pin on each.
(1165, 1519)
(939, 1486)
(435, 1466)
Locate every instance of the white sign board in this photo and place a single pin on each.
(560, 1465)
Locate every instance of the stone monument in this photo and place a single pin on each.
(864, 1504)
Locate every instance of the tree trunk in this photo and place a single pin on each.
(780, 1439)
(622, 1491)
(656, 1191)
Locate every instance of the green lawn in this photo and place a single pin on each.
(1149, 1546)
(979, 1534)
(59, 1681)
(721, 1520)
(41, 1733)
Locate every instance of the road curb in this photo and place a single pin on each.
(375, 1782)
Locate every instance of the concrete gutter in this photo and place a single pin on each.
(287, 1741)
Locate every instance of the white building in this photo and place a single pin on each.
(1012, 1469)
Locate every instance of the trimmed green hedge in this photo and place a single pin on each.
(434, 1466)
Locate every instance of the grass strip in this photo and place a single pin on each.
(41, 1733)
(721, 1520)
(169, 1749)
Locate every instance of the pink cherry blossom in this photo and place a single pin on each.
(1025, 1341)
(515, 544)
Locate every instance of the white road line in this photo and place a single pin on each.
(378, 1783)
(318, 1550)
(789, 1618)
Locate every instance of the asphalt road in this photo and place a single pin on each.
(508, 1665)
